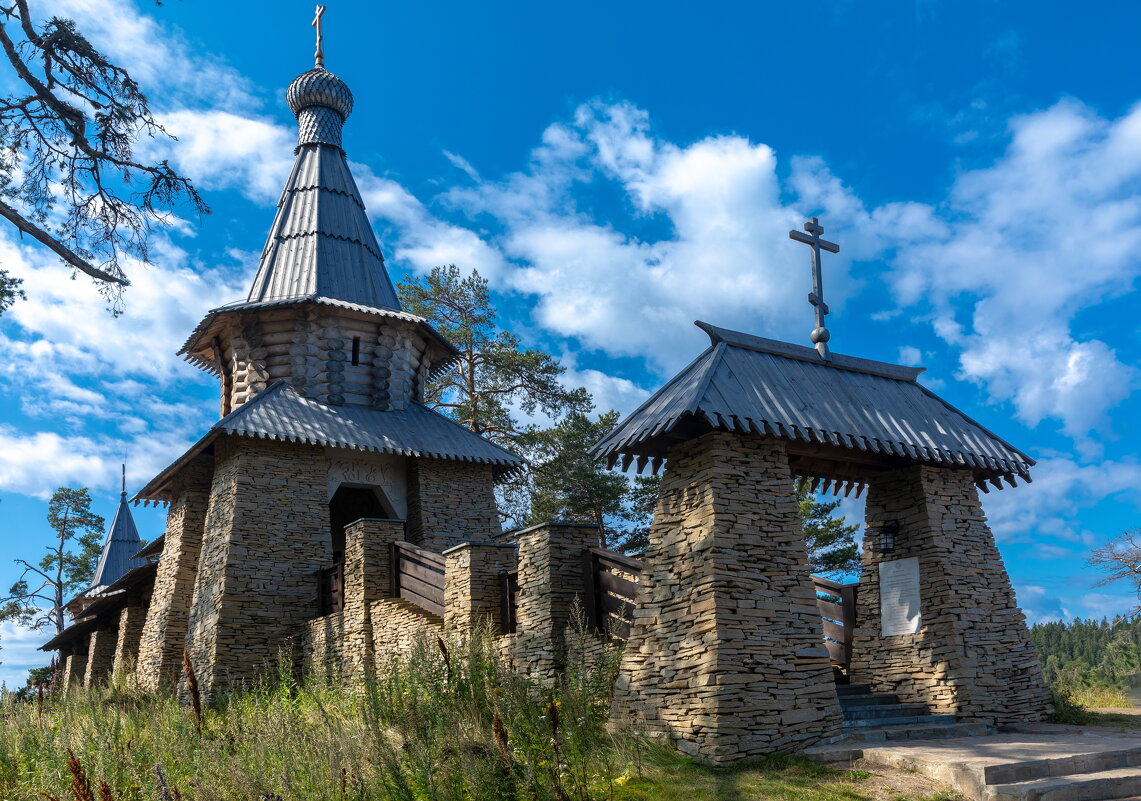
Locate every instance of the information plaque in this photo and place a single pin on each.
(899, 597)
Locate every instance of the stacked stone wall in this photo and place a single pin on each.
(973, 656)
(450, 502)
(74, 667)
(132, 617)
(472, 586)
(266, 535)
(725, 653)
(164, 631)
(100, 654)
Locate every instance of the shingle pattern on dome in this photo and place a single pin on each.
(321, 242)
(319, 87)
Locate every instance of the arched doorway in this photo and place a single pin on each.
(349, 504)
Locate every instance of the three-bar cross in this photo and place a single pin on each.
(820, 334)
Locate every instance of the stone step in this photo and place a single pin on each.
(900, 720)
(856, 741)
(868, 699)
(876, 711)
(1103, 785)
(870, 735)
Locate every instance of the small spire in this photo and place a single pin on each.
(319, 56)
(124, 492)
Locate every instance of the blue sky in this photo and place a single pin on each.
(618, 170)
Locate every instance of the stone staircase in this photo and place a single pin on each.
(1036, 762)
(881, 717)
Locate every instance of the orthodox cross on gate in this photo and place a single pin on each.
(319, 56)
(820, 334)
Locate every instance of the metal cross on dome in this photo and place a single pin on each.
(820, 334)
(319, 56)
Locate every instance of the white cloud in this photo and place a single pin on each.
(18, 653)
(727, 258)
(1062, 490)
(910, 355)
(1052, 228)
(157, 57)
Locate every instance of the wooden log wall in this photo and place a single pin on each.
(313, 350)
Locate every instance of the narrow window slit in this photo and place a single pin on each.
(356, 351)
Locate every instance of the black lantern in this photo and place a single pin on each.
(888, 532)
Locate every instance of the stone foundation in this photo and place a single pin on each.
(726, 655)
(74, 668)
(472, 577)
(973, 657)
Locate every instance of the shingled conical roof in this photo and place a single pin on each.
(121, 545)
(321, 243)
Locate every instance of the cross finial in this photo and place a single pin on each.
(319, 56)
(820, 335)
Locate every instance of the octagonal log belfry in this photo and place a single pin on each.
(330, 517)
(725, 654)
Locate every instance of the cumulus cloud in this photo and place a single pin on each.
(1018, 249)
(19, 654)
(1063, 488)
(726, 256)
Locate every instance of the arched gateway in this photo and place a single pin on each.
(725, 652)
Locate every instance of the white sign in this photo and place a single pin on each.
(899, 597)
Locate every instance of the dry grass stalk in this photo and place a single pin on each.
(105, 792)
(80, 786)
(40, 700)
(502, 743)
(163, 789)
(192, 688)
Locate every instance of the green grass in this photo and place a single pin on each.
(440, 724)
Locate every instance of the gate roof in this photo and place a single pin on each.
(849, 410)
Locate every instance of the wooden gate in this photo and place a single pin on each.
(418, 577)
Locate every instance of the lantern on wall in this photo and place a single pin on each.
(888, 533)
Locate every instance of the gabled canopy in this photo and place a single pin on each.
(846, 415)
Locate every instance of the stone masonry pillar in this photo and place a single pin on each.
(472, 585)
(973, 656)
(100, 654)
(368, 578)
(550, 582)
(725, 655)
(163, 637)
(266, 534)
(74, 668)
(450, 502)
(131, 620)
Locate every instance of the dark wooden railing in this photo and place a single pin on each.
(610, 588)
(509, 600)
(331, 589)
(838, 608)
(418, 577)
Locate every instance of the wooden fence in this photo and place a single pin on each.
(418, 577)
(610, 588)
(509, 600)
(331, 589)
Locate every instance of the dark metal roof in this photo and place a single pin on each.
(279, 413)
(119, 548)
(71, 633)
(109, 599)
(750, 384)
(321, 241)
(152, 548)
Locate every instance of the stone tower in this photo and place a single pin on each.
(322, 379)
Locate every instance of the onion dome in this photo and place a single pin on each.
(322, 102)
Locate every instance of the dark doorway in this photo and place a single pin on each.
(348, 505)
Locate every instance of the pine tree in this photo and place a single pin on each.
(67, 567)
